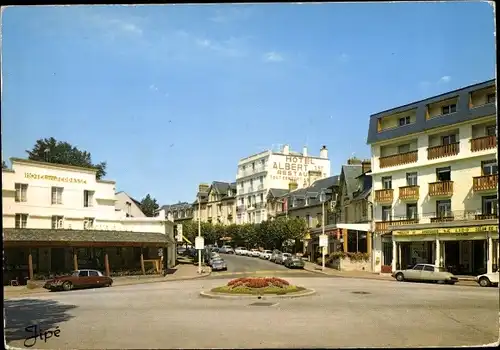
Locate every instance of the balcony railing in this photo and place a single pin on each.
(443, 151)
(409, 192)
(398, 159)
(439, 219)
(381, 226)
(486, 217)
(483, 143)
(485, 182)
(441, 188)
(384, 196)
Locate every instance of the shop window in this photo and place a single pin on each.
(411, 211)
(490, 205)
(489, 167)
(443, 208)
(387, 182)
(443, 174)
(386, 213)
(411, 179)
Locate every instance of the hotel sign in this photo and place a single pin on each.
(294, 168)
(33, 176)
(452, 230)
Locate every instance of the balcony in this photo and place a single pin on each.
(398, 159)
(441, 189)
(384, 196)
(485, 182)
(409, 193)
(240, 208)
(486, 217)
(381, 226)
(260, 187)
(260, 205)
(483, 143)
(442, 151)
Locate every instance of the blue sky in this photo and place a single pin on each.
(172, 96)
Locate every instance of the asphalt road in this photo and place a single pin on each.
(173, 315)
(240, 266)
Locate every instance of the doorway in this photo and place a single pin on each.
(57, 260)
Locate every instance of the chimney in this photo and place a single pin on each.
(304, 151)
(366, 165)
(323, 153)
(292, 186)
(286, 150)
(353, 161)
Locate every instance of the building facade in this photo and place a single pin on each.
(435, 180)
(128, 205)
(218, 203)
(179, 212)
(284, 169)
(57, 218)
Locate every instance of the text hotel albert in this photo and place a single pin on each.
(435, 180)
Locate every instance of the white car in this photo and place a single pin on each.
(488, 279)
(254, 253)
(240, 250)
(266, 254)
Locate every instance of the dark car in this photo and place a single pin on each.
(218, 264)
(79, 279)
(294, 262)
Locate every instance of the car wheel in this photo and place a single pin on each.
(400, 277)
(484, 282)
(67, 286)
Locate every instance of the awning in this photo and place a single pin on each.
(356, 227)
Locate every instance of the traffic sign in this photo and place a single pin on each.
(323, 241)
(199, 243)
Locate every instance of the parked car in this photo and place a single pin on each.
(425, 273)
(280, 259)
(294, 262)
(274, 255)
(218, 264)
(213, 257)
(225, 249)
(79, 279)
(488, 279)
(181, 250)
(240, 250)
(266, 254)
(255, 253)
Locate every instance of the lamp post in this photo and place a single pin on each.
(199, 233)
(322, 199)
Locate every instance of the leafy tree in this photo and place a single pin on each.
(61, 152)
(149, 205)
(4, 165)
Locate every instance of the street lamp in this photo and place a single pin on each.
(199, 232)
(323, 241)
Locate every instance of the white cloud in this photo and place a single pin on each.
(232, 47)
(273, 57)
(444, 79)
(231, 14)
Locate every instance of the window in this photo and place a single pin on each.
(411, 179)
(93, 274)
(418, 267)
(404, 148)
(490, 167)
(262, 180)
(449, 109)
(448, 139)
(491, 98)
(261, 197)
(386, 213)
(491, 130)
(57, 221)
(83, 274)
(88, 198)
(21, 220)
(309, 220)
(57, 195)
(490, 205)
(294, 202)
(443, 208)
(306, 201)
(411, 211)
(404, 121)
(443, 174)
(21, 192)
(387, 182)
(428, 268)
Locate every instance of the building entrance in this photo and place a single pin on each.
(413, 253)
(465, 257)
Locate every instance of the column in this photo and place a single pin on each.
(394, 255)
(399, 257)
(75, 259)
(437, 255)
(369, 243)
(143, 269)
(30, 264)
(106, 263)
(489, 262)
(345, 233)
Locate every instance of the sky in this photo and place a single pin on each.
(171, 96)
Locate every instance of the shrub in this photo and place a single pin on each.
(358, 256)
(257, 282)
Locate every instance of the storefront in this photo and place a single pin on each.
(469, 250)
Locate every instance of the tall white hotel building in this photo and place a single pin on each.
(283, 169)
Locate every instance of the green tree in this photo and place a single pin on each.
(4, 165)
(62, 152)
(149, 205)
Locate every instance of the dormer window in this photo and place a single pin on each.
(306, 202)
(404, 121)
(294, 202)
(449, 109)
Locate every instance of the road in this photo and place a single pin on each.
(240, 266)
(173, 315)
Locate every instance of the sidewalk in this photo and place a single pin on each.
(462, 280)
(179, 273)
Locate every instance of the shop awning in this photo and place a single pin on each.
(356, 227)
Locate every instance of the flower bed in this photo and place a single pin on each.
(258, 285)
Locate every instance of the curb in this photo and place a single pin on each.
(212, 295)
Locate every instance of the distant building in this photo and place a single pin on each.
(284, 170)
(217, 203)
(178, 212)
(128, 205)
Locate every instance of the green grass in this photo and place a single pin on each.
(258, 291)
